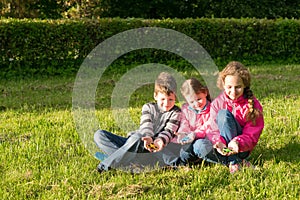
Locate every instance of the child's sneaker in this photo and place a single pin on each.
(185, 168)
(101, 168)
(234, 168)
(100, 156)
(246, 163)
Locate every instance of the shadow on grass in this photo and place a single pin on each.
(288, 153)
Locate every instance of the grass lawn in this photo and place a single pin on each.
(43, 157)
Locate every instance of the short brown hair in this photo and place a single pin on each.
(165, 83)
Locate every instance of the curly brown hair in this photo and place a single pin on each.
(237, 68)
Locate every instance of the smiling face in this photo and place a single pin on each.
(196, 101)
(234, 86)
(165, 102)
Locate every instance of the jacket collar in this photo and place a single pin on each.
(241, 99)
(205, 108)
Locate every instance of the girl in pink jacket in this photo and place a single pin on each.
(236, 120)
(194, 116)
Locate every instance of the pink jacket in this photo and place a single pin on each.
(191, 121)
(250, 134)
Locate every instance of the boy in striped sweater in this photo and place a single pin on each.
(158, 123)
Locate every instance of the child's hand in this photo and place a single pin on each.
(158, 142)
(185, 138)
(147, 141)
(234, 146)
(219, 146)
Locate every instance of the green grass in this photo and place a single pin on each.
(43, 157)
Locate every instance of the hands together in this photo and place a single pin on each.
(233, 148)
(153, 146)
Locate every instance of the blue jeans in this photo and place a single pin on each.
(124, 153)
(203, 148)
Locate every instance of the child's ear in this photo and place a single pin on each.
(155, 96)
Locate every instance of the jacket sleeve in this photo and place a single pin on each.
(213, 133)
(203, 124)
(184, 126)
(251, 133)
(202, 128)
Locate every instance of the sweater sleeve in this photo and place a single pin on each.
(172, 123)
(146, 121)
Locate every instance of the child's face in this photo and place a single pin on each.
(165, 102)
(234, 86)
(196, 101)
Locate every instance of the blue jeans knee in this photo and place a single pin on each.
(202, 147)
(187, 154)
(228, 125)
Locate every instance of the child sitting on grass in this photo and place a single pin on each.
(159, 121)
(236, 120)
(194, 117)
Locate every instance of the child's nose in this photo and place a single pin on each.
(233, 91)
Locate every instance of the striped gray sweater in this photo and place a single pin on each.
(158, 124)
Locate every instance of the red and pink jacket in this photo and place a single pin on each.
(239, 108)
(192, 121)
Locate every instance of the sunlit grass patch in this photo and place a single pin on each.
(43, 156)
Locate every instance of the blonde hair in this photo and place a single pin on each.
(193, 86)
(236, 68)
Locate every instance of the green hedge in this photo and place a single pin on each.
(59, 46)
(158, 9)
